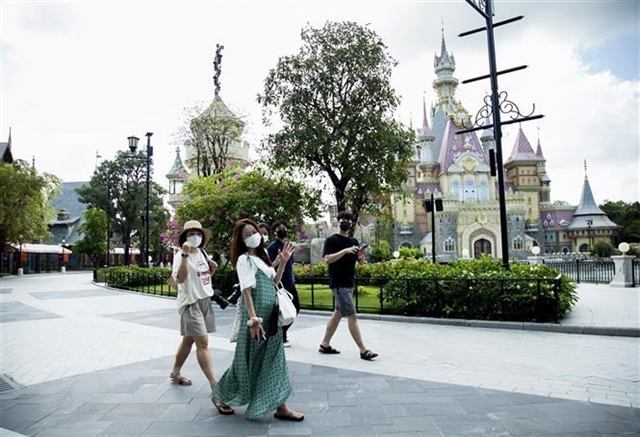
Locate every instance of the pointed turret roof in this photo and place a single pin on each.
(588, 214)
(587, 204)
(5, 150)
(177, 169)
(539, 151)
(522, 150)
(425, 132)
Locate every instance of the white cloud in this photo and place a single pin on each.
(81, 77)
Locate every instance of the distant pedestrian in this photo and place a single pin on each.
(341, 252)
(264, 230)
(258, 376)
(288, 280)
(192, 272)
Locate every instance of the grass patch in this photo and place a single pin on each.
(367, 299)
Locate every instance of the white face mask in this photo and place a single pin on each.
(254, 240)
(195, 240)
(265, 238)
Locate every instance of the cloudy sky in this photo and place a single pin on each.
(80, 77)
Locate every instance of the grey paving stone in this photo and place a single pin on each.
(470, 425)
(70, 294)
(19, 312)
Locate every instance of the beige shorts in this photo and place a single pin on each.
(198, 319)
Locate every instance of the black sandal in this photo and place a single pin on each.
(368, 355)
(328, 350)
(222, 408)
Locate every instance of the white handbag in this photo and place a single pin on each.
(287, 310)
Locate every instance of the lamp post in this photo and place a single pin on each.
(432, 206)
(133, 145)
(589, 224)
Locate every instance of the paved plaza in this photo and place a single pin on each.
(79, 359)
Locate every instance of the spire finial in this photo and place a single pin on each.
(410, 120)
(585, 169)
(217, 66)
(33, 162)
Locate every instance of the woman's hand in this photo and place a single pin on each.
(257, 332)
(286, 252)
(187, 247)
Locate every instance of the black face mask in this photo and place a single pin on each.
(345, 226)
(281, 234)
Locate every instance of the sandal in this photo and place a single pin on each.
(179, 379)
(328, 350)
(368, 355)
(290, 415)
(222, 408)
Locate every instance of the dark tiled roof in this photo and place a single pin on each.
(68, 228)
(5, 153)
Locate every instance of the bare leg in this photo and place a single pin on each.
(181, 355)
(332, 326)
(204, 359)
(354, 330)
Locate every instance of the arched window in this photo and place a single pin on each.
(470, 191)
(483, 194)
(449, 245)
(455, 190)
(517, 243)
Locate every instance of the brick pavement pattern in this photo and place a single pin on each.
(95, 362)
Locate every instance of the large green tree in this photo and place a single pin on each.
(219, 201)
(118, 187)
(335, 101)
(94, 235)
(627, 217)
(24, 203)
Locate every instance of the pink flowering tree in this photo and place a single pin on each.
(220, 200)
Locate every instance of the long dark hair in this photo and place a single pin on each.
(237, 243)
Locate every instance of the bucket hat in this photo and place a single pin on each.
(190, 225)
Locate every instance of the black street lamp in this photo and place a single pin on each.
(133, 146)
(589, 224)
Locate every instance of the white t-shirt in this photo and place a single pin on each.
(198, 283)
(247, 270)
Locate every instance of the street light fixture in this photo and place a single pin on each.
(589, 224)
(133, 146)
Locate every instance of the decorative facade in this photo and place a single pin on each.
(456, 169)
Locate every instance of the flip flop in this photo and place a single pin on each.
(368, 355)
(179, 379)
(290, 415)
(328, 350)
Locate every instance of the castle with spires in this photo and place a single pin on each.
(456, 169)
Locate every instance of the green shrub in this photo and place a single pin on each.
(467, 288)
(380, 252)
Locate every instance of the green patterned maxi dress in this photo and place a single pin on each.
(258, 376)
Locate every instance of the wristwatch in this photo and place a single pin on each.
(184, 255)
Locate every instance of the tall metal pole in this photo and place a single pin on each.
(497, 129)
(148, 179)
(433, 230)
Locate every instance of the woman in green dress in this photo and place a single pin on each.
(258, 376)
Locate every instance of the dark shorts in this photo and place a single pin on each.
(198, 319)
(344, 300)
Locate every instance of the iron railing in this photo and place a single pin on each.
(599, 271)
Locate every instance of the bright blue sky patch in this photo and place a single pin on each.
(618, 55)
